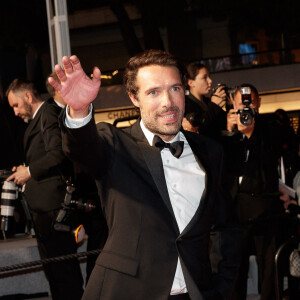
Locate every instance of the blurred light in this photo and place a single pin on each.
(106, 77)
(115, 72)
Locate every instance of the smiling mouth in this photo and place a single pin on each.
(169, 116)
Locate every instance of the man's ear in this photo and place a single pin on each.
(134, 100)
(28, 97)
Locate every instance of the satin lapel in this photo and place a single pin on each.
(153, 160)
(200, 154)
(154, 163)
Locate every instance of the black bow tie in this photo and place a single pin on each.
(176, 148)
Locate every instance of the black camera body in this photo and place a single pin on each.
(247, 114)
(68, 219)
(229, 91)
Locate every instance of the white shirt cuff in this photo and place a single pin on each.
(77, 123)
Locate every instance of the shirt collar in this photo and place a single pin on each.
(37, 110)
(150, 135)
(59, 104)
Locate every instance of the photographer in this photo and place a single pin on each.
(252, 155)
(203, 115)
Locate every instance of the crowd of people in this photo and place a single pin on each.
(183, 197)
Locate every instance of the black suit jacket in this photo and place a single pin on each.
(140, 256)
(256, 161)
(43, 151)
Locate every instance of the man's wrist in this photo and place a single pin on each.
(78, 122)
(78, 114)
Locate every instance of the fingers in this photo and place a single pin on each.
(11, 177)
(60, 74)
(54, 83)
(96, 74)
(233, 102)
(75, 63)
(68, 64)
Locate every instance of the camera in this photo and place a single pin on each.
(68, 218)
(9, 195)
(247, 114)
(229, 91)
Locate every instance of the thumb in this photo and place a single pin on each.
(96, 76)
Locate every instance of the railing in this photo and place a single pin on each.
(228, 63)
(252, 60)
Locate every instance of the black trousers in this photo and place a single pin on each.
(65, 278)
(263, 239)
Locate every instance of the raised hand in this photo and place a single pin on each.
(76, 88)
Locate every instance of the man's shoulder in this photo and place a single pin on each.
(206, 143)
(110, 129)
(50, 107)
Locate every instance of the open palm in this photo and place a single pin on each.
(76, 88)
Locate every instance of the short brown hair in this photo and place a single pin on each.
(20, 85)
(49, 87)
(148, 58)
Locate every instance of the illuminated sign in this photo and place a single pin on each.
(112, 115)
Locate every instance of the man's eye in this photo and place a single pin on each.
(175, 89)
(152, 92)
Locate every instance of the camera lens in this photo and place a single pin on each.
(8, 197)
(246, 117)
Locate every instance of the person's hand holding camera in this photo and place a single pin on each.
(234, 121)
(232, 117)
(20, 176)
(219, 96)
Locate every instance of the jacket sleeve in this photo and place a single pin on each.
(87, 146)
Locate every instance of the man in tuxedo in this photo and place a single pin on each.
(160, 187)
(42, 174)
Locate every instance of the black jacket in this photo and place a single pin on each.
(140, 256)
(47, 163)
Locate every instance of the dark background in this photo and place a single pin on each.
(24, 42)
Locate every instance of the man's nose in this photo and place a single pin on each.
(166, 99)
(16, 111)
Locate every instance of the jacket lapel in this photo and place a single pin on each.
(153, 160)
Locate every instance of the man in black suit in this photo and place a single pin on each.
(43, 172)
(252, 150)
(160, 203)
